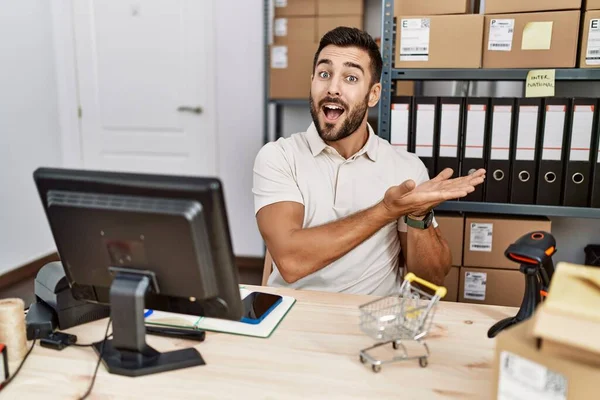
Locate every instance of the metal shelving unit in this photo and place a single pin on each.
(584, 82)
(517, 74)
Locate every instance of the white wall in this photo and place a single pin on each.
(240, 100)
(29, 131)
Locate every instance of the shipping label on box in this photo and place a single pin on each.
(475, 284)
(279, 58)
(501, 34)
(414, 41)
(481, 236)
(592, 53)
(522, 379)
(281, 27)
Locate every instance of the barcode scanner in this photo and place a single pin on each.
(534, 252)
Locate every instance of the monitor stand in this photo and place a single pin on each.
(127, 353)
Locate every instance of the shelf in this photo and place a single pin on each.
(289, 102)
(520, 209)
(516, 74)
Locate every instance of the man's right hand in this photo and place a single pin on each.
(409, 199)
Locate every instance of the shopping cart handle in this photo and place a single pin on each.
(439, 290)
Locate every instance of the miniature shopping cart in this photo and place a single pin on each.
(405, 316)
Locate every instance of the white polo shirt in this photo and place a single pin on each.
(304, 169)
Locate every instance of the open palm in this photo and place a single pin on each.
(407, 198)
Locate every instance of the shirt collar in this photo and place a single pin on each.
(317, 145)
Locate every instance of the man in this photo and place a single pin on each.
(331, 202)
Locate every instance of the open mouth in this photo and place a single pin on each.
(332, 112)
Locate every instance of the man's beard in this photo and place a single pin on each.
(349, 126)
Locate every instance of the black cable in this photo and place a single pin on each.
(88, 344)
(9, 380)
(86, 394)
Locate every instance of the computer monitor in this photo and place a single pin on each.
(142, 241)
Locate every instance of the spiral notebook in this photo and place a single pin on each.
(264, 329)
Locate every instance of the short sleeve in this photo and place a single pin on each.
(420, 175)
(273, 180)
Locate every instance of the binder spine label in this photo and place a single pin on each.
(449, 130)
(501, 133)
(501, 34)
(399, 126)
(554, 128)
(592, 54)
(475, 284)
(528, 117)
(425, 125)
(475, 131)
(581, 134)
(414, 39)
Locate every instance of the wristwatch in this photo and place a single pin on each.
(423, 224)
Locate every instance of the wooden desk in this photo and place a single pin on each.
(312, 354)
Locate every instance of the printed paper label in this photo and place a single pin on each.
(475, 130)
(414, 39)
(501, 34)
(475, 285)
(522, 379)
(526, 135)
(279, 57)
(280, 3)
(554, 128)
(399, 128)
(592, 54)
(481, 237)
(281, 26)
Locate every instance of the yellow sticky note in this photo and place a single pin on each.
(537, 36)
(540, 83)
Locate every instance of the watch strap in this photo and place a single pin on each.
(420, 224)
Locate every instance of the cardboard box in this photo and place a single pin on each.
(288, 30)
(531, 40)
(452, 227)
(325, 24)
(516, 6)
(431, 7)
(439, 41)
(592, 4)
(295, 8)
(523, 370)
(569, 319)
(589, 53)
(290, 70)
(451, 284)
(340, 7)
(497, 287)
(405, 88)
(487, 237)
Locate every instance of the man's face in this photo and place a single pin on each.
(341, 91)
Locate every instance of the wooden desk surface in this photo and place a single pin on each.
(312, 354)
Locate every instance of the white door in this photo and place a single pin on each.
(146, 83)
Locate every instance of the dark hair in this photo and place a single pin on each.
(343, 36)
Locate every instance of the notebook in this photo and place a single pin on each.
(264, 329)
